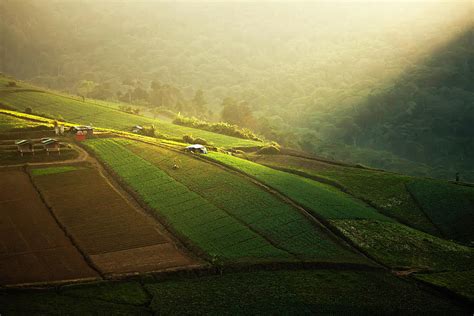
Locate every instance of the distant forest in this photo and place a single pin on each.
(391, 87)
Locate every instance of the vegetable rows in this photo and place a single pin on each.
(207, 226)
(321, 199)
(264, 213)
(387, 241)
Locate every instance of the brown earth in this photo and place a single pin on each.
(113, 233)
(33, 248)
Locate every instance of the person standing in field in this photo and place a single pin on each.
(56, 128)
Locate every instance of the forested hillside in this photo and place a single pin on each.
(388, 85)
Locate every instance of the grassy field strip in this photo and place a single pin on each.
(449, 206)
(210, 235)
(402, 247)
(79, 112)
(323, 200)
(385, 191)
(272, 292)
(257, 208)
(388, 242)
(460, 283)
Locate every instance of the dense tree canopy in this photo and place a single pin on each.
(390, 85)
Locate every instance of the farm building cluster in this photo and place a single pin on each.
(47, 145)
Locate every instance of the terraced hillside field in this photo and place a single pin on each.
(88, 112)
(222, 213)
(33, 248)
(386, 191)
(382, 238)
(106, 227)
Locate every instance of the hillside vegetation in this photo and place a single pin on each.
(87, 112)
(391, 243)
(223, 214)
(386, 84)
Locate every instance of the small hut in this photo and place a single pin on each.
(137, 129)
(85, 129)
(51, 145)
(25, 146)
(197, 148)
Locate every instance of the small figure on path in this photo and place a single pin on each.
(457, 176)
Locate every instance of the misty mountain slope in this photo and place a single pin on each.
(427, 114)
(385, 84)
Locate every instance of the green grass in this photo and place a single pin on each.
(53, 303)
(399, 246)
(52, 170)
(266, 292)
(264, 213)
(295, 292)
(321, 199)
(11, 123)
(449, 206)
(75, 111)
(131, 293)
(386, 191)
(461, 283)
(207, 226)
(390, 243)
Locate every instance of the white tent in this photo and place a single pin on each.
(197, 148)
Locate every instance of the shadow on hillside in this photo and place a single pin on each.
(427, 114)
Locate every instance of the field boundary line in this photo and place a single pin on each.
(180, 241)
(196, 271)
(420, 206)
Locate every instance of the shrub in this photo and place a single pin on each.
(11, 84)
(269, 150)
(200, 141)
(188, 139)
(29, 110)
(220, 128)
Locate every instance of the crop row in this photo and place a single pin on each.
(207, 226)
(387, 191)
(321, 199)
(250, 204)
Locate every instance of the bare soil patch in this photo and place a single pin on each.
(33, 248)
(117, 237)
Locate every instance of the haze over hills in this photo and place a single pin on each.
(384, 84)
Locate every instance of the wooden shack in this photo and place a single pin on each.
(85, 129)
(51, 145)
(25, 146)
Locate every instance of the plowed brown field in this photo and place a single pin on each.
(116, 236)
(33, 248)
